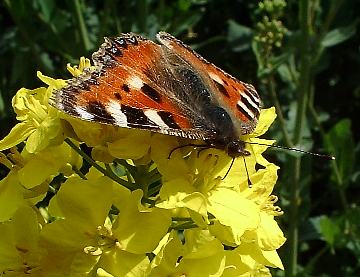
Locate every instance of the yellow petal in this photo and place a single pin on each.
(41, 166)
(132, 226)
(267, 117)
(169, 167)
(232, 210)
(251, 254)
(90, 208)
(121, 263)
(167, 256)
(11, 196)
(270, 236)
(19, 133)
(55, 83)
(224, 234)
(179, 193)
(234, 265)
(263, 183)
(41, 137)
(77, 70)
(131, 145)
(205, 255)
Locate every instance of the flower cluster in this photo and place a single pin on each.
(85, 199)
(269, 31)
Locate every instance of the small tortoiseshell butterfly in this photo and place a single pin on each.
(166, 88)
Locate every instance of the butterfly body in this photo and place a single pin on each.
(166, 88)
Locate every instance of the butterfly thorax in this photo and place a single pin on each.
(225, 136)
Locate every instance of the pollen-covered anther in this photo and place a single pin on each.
(105, 239)
(93, 251)
(269, 206)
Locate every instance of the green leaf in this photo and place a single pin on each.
(239, 36)
(339, 142)
(329, 230)
(2, 106)
(46, 9)
(339, 35)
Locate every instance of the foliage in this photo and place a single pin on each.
(302, 57)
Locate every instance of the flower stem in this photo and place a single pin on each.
(89, 160)
(279, 112)
(82, 27)
(79, 173)
(303, 94)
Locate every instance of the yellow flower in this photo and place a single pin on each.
(93, 225)
(77, 70)
(192, 187)
(201, 255)
(20, 252)
(30, 175)
(83, 228)
(39, 123)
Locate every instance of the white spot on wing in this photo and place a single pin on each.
(246, 109)
(216, 78)
(84, 114)
(154, 117)
(251, 101)
(114, 108)
(253, 92)
(135, 82)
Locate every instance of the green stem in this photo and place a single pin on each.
(293, 235)
(303, 94)
(334, 8)
(142, 14)
(184, 226)
(28, 39)
(89, 160)
(175, 218)
(79, 173)
(82, 27)
(154, 190)
(279, 113)
(330, 16)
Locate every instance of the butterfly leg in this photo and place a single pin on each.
(247, 174)
(227, 172)
(204, 146)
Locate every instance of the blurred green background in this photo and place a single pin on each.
(302, 56)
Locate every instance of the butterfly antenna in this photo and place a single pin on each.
(324, 156)
(247, 174)
(227, 172)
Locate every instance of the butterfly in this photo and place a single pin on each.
(166, 88)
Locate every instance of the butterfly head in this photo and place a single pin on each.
(236, 148)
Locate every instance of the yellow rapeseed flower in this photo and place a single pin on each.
(177, 215)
